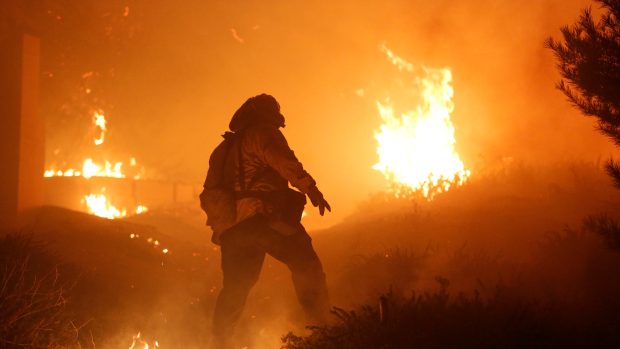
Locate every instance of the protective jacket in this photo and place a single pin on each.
(264, 162)
(260, 161)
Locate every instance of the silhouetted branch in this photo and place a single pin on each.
(588, 59)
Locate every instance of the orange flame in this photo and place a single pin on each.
(417, 148)
(138, 343)
(99, 204)
(100, 122)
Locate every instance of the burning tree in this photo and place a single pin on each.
(589, 62)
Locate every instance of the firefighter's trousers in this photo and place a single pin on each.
(243, 250)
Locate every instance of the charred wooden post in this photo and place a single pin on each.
(21, 128)
(384, 309)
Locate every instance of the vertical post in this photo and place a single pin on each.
(384, 310)
(21, 129)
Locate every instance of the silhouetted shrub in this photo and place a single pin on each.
(606, 227)
(439, 320)
(393, 269)
(32, 297)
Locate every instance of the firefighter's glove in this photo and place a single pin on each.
(317, 199)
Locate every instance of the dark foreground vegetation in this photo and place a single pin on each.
(33, 297)
(440, 320)
(502, 316)
(509, 274)
(556, 290)
(521, 256)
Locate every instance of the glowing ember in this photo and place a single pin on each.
(67, 173)
(141, 209)
(156, 244)
(100, 122)
(416, 149)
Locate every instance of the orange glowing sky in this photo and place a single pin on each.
(191, 64)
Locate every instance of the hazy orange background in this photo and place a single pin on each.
(185, 73)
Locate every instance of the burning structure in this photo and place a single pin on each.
(97, 200)
(109, 189)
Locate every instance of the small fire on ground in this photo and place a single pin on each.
(139, 343)
(416, 146)
(99, 203)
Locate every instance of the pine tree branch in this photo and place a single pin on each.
(613, 170)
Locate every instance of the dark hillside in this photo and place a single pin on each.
(519, 230)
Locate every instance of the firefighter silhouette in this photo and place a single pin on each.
(253, 212)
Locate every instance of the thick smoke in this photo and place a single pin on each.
(187, 67)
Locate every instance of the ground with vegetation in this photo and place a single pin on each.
(521, 256)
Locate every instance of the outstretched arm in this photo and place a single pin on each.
(274, 150)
